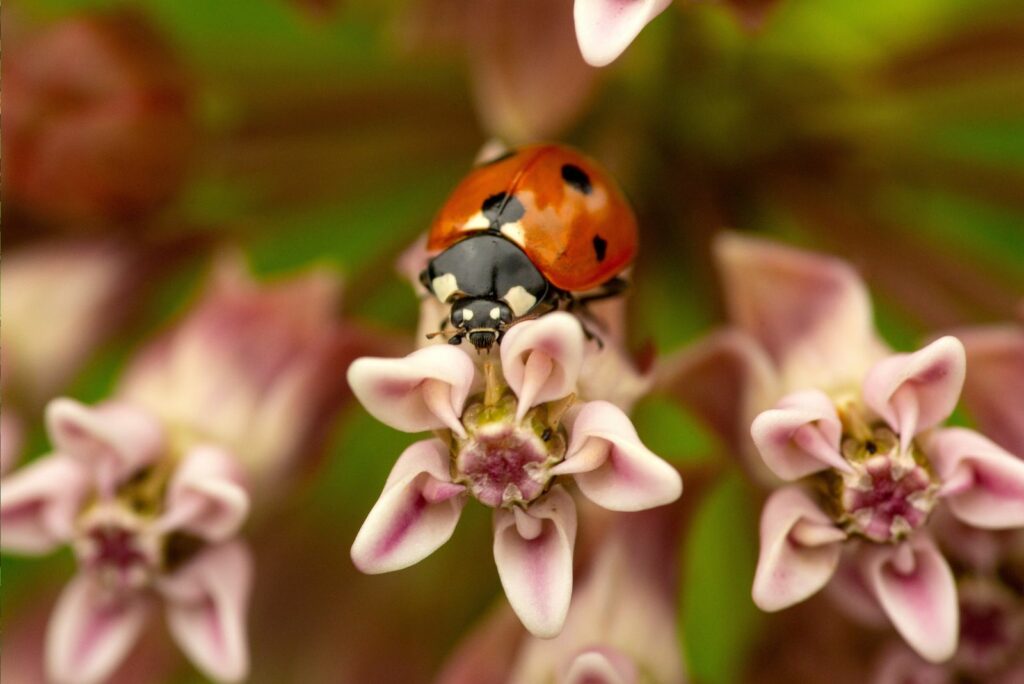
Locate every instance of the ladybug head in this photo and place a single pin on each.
(479, 319)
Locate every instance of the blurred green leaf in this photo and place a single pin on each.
(719, 619)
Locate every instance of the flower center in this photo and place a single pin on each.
(504, 462)
(991, 626)
(118, 545)
(887, 493)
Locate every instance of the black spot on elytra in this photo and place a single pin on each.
(600, 247)
(501, 209)
(577, 178)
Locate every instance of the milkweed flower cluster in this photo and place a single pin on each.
(151, 488)
(515, 438)
(849, 439)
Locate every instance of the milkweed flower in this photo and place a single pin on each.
(151, 488)
(514, 438)
(141, 524)
(605, 28)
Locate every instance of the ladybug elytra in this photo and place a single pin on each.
(533, 230)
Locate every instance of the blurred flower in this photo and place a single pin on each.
(96, 120)
(60, 301)
(508, 448)
(995, 358)
(142, 518)
(605, 28)
(254, 368)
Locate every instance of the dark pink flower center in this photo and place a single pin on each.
(504, 464)
(887, 496)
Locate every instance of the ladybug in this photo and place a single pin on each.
(536, 229)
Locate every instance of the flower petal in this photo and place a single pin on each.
(800, 548)
(91, 631)
(114, 439)
(984, 483)
(425, 390)
(605, 28)
(533, 552)
(207, 602)
(40, 503)
(206, 496)
(914, 392)
(800, 436)
(996, 359)
(612, 467)
(415, 514)
(916, 589)
(541, 359)
(811, 312)
(603, 665)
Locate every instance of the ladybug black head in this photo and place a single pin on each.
(480, 319)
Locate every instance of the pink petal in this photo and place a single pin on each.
(206, 495)
(604, 665)
(995, 357)
(605, 28)
(207, 602)
(915, 587)
(529, 81)
(900, 665)
(533, 552)
(541, 359)
(811, 312)
(984, 484)
(800, 436)
(612, 467)
(91, 631)
(40, 503)
(800, 548)
(114, 439)
(415, 514)
(914, 392)
(425, 390)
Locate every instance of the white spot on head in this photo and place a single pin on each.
(514, 232)
(495, 313)
(477, 222)
(519, 300)
(444, 286)
(467, 314)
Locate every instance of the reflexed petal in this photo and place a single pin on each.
(602, 666)
(605, 28)
(533, 552)
(811, 312)
(113, 439)
(984, 484)
(915, 586)
(541, 359)
(800, 547)
(914, 392)
(612, 467)
(206, 496)
(425, 390)
(800, 436)
(900, 665)
(91, 631)
(529, 81)
(415, 514)
(995, 357)
(207, 602)
(726, 379)
(40, 502)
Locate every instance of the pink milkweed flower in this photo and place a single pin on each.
(253, 367)
(513, 438)
(146, 521)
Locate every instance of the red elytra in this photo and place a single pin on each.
(572, 220)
